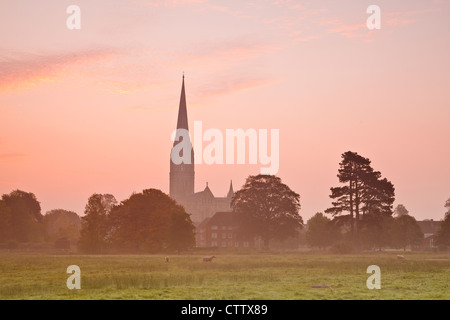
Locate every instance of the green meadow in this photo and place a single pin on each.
(229, 276)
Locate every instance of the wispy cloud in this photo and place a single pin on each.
(305, 38)
(389, 19)
(398, 18)
(357, 30)
(8, 156)
(231, 50)
(19, 71)
(167, 3)
(119, 71)
(227, 85)
(137, 108)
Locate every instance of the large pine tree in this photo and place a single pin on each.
(363, 192)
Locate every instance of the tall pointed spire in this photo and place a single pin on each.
(182, 175)
(182, 112)
(231, 191)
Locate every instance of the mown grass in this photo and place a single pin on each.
(230, 276)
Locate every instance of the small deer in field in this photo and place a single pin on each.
(208, 259)
(167, 259)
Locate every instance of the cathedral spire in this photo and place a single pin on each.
(182, 112)
(182, 175)
(231, 191)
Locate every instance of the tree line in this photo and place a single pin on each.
(361, 216)
(394, 232)
(147, 222)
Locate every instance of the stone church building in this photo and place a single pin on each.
(201, 205)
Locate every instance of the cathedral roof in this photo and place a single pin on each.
(205, 193)
(208, 190)
(223, 219)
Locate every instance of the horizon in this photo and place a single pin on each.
(92, 110)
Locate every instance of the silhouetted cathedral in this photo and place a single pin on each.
(200, 205)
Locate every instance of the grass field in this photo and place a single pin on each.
(230, 276)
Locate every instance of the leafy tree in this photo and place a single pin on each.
(150, 222)
(25, 219)
(400, 210)
(363, 193)
(267, 208)
(321, 231)
(5, 226)
(406, 232)
(59, 224)
(443, 234)
(376, 230)
(62, 243)
(94, 224)
(181, 231)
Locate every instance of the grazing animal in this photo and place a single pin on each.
(167, 259)
(399, 256)
(208, 259)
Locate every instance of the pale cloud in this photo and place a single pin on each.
(398, 18)
(227, 85)
(124, 71)
(218, 56)
(8, 156)
(20, 71)
(389, 19)
(167, 3)
(137, 108)
(305, 38)
(232, 50)
(357, 30)
(120, 71)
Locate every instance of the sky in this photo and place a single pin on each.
(92, 110)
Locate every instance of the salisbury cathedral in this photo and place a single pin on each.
(200, 205)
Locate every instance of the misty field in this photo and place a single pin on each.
(230, 276)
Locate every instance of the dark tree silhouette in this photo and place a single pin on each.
(406, 231)
(321, 231)
(149, 222)
(267, 208)
(25, 218)
(443, 234)
(400, 210)
(62, 224)
(364, 193)
(5, 222)
(376, 230)
(94, 224)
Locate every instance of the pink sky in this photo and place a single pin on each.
(92, 110)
